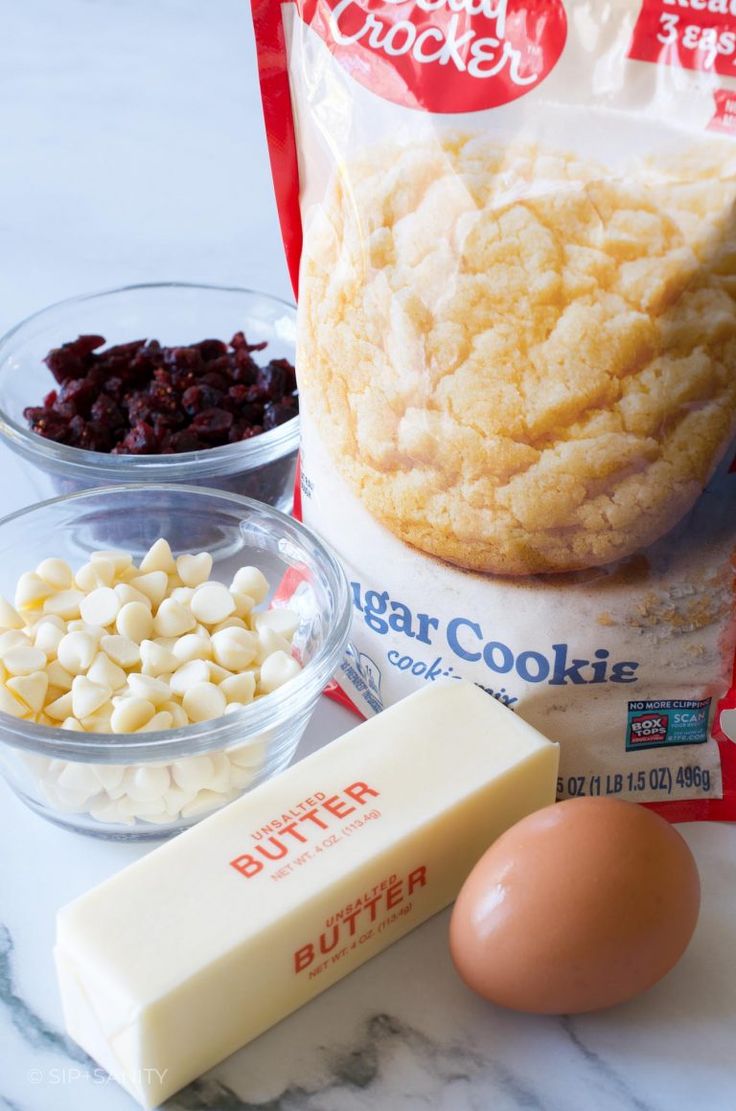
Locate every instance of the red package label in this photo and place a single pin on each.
(724, 118)
(693, 34)
(443, 55)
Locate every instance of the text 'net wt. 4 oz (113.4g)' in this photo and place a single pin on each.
(513, 232)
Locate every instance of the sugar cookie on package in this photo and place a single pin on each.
(513, 229)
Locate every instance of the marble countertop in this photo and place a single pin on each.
(133, 151)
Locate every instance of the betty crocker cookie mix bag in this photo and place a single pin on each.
(513, 231)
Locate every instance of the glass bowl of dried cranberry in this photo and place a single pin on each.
(149, 383)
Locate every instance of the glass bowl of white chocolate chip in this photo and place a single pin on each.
(161, 651)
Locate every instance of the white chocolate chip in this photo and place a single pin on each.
(127, 593)
(73, 726)
(109, 776)
(276, 670)
(144, 809)
(64, 604)
(48, 636)
(99, 722)
(239, 688)
(24, 659)
(176, 798)
(161, 720)
(13, 638)
(61, 708)
(193, 646)
(80, 778)
(283, 621)
(234, 648)
(79, 626)
(88, 696)
(156, 660)
(243, 604)
(135, 622)
(230, 623)
(76, 651)
(121, 650)
(173, 619)
(145, 686)
(107, 673)
(182, 594)
(9, 617)
(178, 714)
(251, 755)
(154, 585)
(119, 559)
(10, 705)
(204, 801)
(193, 570)
(147, 783)
(97, 573)
(212, 603)
(189, 774)
(30, 689)
(31, 591)
(58, 676)
(269, 642)
(108, 811)
(56, 572)
(131, 714)
(241, 777)
(101, 607)
(159, 558)
(204, 701)
(188, 675)
(217, 673)
(252, 581)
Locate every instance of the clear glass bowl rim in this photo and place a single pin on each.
(236, 728)
(228, 459)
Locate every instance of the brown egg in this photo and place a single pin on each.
(579, 906)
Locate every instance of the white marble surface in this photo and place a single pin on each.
(133, 151)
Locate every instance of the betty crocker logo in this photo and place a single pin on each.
(443, 55)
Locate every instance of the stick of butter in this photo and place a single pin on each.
(186, 955)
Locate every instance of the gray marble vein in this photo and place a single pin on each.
(602, 1068)
(356, 1069)
(9, 1105)
(32, 1028)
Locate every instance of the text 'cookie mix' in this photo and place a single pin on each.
(514, 244)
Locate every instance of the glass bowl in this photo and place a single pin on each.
(56, 771)
(174, 313)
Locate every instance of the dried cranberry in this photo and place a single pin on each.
(215, 380)
(186, 440)
(75, 431)
(276, 413)
(245, 370)
(142, 398)
(211, 348)
(75, 397)
(239, 341)
(139, 408)
(182, 358)
(107, 412)
(218, 366)
(141, 440)
(96, 436)
(212, 425)
(71, 360)
(198, 398)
